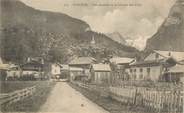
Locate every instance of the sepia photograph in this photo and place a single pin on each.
(91, 56)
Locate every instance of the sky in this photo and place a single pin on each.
(136, 20)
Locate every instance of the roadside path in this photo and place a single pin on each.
(65, 99)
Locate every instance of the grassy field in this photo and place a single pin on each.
(108, 103)
(112, 105)
(10, 86)
(150, 85)
(31, 104)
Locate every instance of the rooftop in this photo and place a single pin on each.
(146, 63)
(121, 60)
(101, 67)
(176, 55)
(75, 69)
(64, 67)
(176, 69)
(4, 66)
(82, 60)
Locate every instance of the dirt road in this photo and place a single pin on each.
(65, 99)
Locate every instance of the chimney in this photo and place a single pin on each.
(28, 59)
(169, 54)
(42, 61)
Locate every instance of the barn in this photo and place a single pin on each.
(100, 73)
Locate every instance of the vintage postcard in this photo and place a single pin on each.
(92, 56)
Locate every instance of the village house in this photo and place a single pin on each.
(55, 70)
(84, 63)
(65, 71)
(119, 67)
(3, 70)
(154, 65)
(14, 72)
(33, 68)
(100, 73)
(175, 74)
(76, 73)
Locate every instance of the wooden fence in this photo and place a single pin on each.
(16, 95)
(103, 91)
(153, 100)
(162, 101)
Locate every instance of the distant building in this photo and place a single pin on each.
(119, 66)
(121, 60)
(154, 65)
(76, 73)
(100, 73)
(64, 67)
(65, 71)
(55, 70)
(33, 68)
(84, 63)
(3, 70)
(14, 72)
(175, 74)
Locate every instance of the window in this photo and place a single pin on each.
(141, 70)
(14, 74)
(148, 72)
(130, 70)
(141, 74)
(156, 55)
(134, 70)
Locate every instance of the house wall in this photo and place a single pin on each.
(145, 73)
(73, 74)
(100, 77)
(14, 73)
(85, 67)
(55, 69)
(28, 72)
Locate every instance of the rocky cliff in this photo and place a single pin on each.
(170, 36)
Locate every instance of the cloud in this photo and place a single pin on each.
(139, 23)
(131, 21)
(139, 42)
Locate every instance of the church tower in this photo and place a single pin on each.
(93, 41)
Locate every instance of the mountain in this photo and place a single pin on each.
(170, 35)
(27, 32)
(116, 36)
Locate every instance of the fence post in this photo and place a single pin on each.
(135, 96)
(17, 95)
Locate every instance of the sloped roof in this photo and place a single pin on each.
(177, 69)
(13, 65)
(32, 63)
(146, 63)
(4, 66)
(101, 67)
(1, 62)
(82, 60)
(64, 67)
(176, 55)
(121, 60)
(75, 69)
